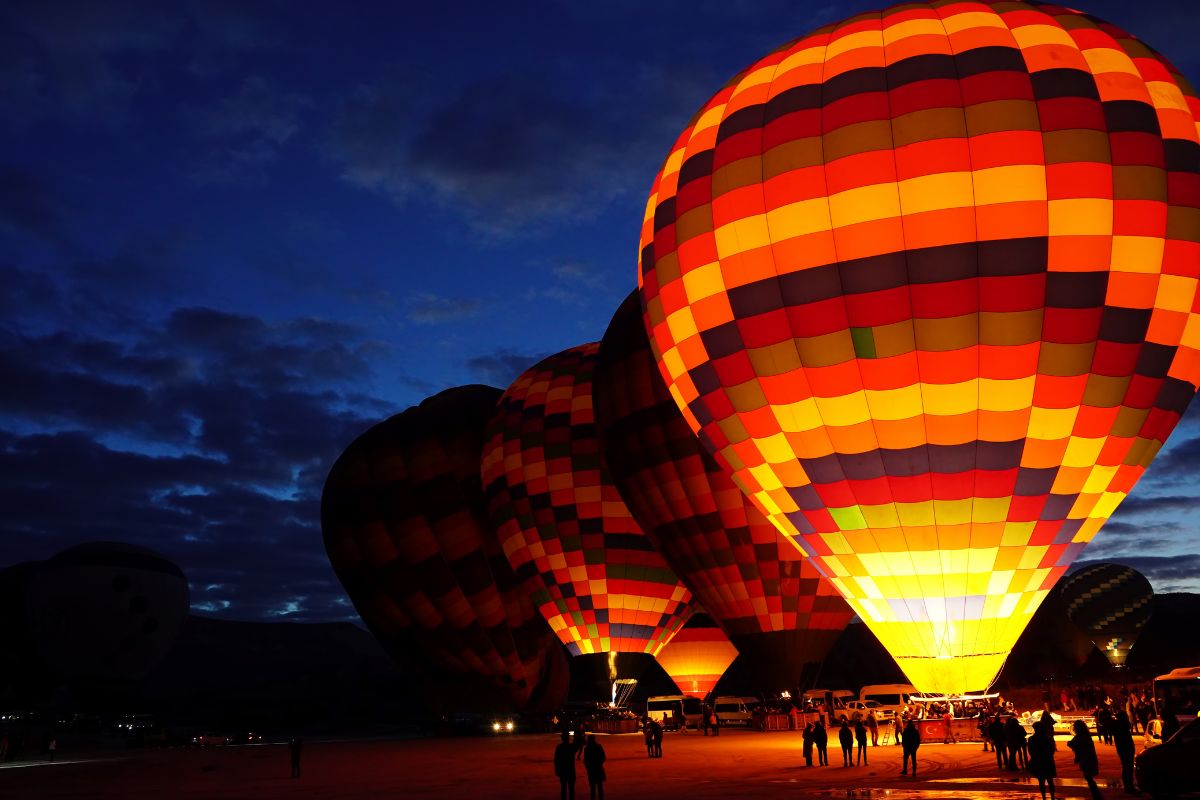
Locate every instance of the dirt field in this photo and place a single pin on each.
(736, 764)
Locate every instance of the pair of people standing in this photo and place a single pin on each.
(593, 763)
(816, 737)
(847, 737)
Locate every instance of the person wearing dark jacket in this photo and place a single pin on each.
(846, 738)
(1085, 756)
(564, 767)
(294, 747)
(1041, 757)
(860, 735)
(593, 762)
(1122, 735)
(1014, 740)
(998, 737)
(656, 730)
(910, 740)
(808, 744)
(821, 742)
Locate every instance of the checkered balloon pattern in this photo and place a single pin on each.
(1111, 603)
(594, 575)
(408, 535)
(697, 656)
(742, 572)
(924, 281)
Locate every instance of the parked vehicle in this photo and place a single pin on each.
(665, 707)
(1169, 769)
(1178, 692)
(210, 740)
(735, 710)
(891, 697)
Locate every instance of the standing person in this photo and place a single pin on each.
(1123, 742)
(996, 734)
(873, 727)
(294, 748)
(564, 767)
(983, 730)
(648, 735)
(948, 727)
(656, 738)
(715, 722)
(910, 740)
(846, 738)
(808, 744)
(1014, 735)
(860, 735)
(1041, 757)
(52, 747)
(1085, 756)
(593, 762)
(821, 742)
(704, 719)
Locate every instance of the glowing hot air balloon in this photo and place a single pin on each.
(697, 656)
(924, 282)
(1111, 603)
(778, 611)
(597, 579)
(408, 535)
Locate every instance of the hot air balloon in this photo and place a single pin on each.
(924, 281)
(590, 569)
(407, 533)
(778, 611)
(697, 656)
(1111, 603)
(104, 612)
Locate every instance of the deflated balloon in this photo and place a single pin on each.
(778, 611)
(408, 535)
(1111, 603)
(589, 568)
(924, 281)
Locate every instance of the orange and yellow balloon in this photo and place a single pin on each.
(924, 281)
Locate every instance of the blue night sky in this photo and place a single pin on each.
(234, 235)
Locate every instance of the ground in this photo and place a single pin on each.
(736, 764)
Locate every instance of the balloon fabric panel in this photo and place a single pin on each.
(590, 569)
(746, 577)
(407, 533)
(924, 282)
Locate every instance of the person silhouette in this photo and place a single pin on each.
(821, 742)
(564, 767)
(656, 737)
(1085, 756)
(860, 735)
(593, 762)
(846, 738)
(1041, 757)
(910, 740)
(808, 744)
(294, 749)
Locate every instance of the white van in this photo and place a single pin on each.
(665, 707)
(735, 710)
(839, 698)
(891, 697)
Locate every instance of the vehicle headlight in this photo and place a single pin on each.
(496, 726)
(508, 725)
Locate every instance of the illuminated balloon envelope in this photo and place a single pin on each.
(588, 566)
(778, 611)
(697, 656)
(924, 281)
(104, 611)
(407, 533)
(1111, 603)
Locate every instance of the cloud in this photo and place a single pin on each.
(513, 151)
(427, 308)
(246, 130)
(502, 366)
(206, 435)
(1144, 506)
(27, 205)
